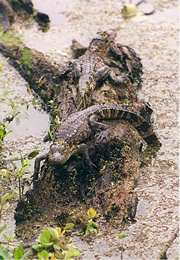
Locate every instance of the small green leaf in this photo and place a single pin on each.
(22, 171)
(2, 228)
(48, 237)
(69, 226)
(15, 167)
(26, 163)
(43, 255)
(22, 160)
(122, 236)
(18, 253)
(71, 253)
(91, 228)
(7, 197)
(8, 238)
(56, 247)
(46, 244)
(37, 248)
(33, 154)
(54, 235)
(4, 253)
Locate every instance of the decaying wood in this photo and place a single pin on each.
(10, 10)
(6, 15)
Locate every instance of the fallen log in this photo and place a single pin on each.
(65, 190)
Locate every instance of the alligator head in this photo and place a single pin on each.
(103, 41)
(60, 153)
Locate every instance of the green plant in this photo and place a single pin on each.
(7, 37)
(4, 199)
(4, 251)
(3, 132)
(4, 125)
(7, 240)
(4, 254)
(17, 255)
(53, 243)
(92, 227)
(121, 247)
(27, 58)
(15, 111)
(25, 164)
(3, 63)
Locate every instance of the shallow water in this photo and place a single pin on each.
(28, 129)
(155, 39)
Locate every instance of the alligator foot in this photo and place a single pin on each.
(85, 152)
(118, 79)
(102, 137)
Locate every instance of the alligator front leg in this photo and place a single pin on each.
(37, 165)
(118, 79)
(77, 69)
(102, 73)
(105, 72)
(84, 148)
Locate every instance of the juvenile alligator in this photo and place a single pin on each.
(91, 67)
(80, 125)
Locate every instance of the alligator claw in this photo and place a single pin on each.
(102, 137)
(91, 164)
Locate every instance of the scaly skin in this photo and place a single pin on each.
(78, 127)
(91, 67)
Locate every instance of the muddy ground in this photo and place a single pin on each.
(155, 39)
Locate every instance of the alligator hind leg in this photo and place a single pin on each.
(93, 123)
(37, 165)
(102, 73)
(104, 134)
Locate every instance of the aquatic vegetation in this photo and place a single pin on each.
(27, 57)
(25, 164)
(17, 255)
(20, 171)
(7, 37)
(3, 63)
(121, 247)
(3, 132)
(4, 199)
(5, 122)
(53, 243)
(5, 251)
(92, 227)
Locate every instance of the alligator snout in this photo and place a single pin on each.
(58, 155)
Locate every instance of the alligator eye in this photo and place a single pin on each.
(60, 149)
(57, 148)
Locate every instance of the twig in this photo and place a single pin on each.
(163, 252)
